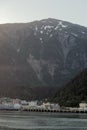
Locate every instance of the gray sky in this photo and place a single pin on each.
(29, 10)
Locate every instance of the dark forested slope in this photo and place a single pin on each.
(74, 92)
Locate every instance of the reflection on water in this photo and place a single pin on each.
(42, 121)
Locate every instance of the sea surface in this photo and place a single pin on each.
(42, 121)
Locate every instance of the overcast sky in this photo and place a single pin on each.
(29, 10)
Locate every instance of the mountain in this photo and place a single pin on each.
(41, 54)
(74, 92)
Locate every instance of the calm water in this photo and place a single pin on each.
(42, 121)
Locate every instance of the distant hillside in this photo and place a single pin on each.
(74, 92)
(46, 53)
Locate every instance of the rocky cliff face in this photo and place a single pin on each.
(42, 53)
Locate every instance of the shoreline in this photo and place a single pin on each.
(42, 110)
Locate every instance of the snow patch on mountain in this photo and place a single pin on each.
(74, 34)
(41, 32)
(36, 28)
(41, 39)
(48, 27)
(62, 25)
(56, 28)
(83, 32)
(51, 35)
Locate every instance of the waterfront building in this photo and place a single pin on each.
(32, 103)
(16, 101)
(82, 104)
(24, 102)
(17, 106)
(51, 106)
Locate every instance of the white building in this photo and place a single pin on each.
(55, 106)
(17, 106)
(24, 102)
(51, 106)
(46, 105)
(82, 104)
(32, 103)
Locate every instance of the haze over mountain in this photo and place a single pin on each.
(41, 55)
